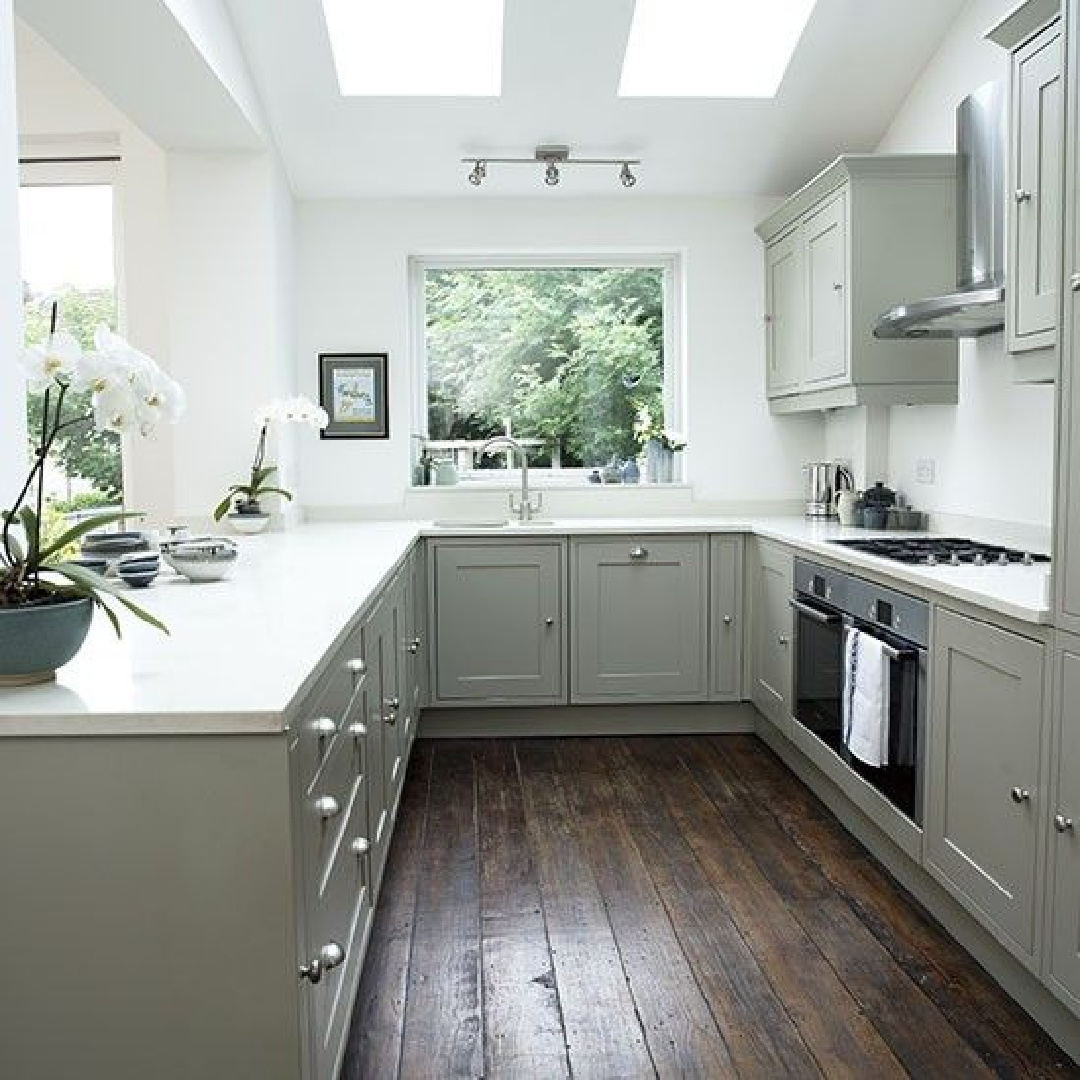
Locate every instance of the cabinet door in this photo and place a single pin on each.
(726, 617)
(389, 626)
(417, 633)
(785, 313)
(1064, 914)
(827, 292)
(985, 794)
(498, 624)
(639, 627)
(770, 575)
(1035, 211)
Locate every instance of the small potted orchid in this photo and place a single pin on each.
(660, 444)
(46, 603)
(247, 514)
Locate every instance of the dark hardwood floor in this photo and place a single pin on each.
(641, 907)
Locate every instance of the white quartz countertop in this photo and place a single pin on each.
(242, 651)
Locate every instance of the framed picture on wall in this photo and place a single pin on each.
(352, 390)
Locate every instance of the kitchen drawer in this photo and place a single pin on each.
(341, 913)
(326, 804)
(324, 710)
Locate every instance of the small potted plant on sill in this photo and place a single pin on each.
(243, 500)
(660, 445)
(47, 603)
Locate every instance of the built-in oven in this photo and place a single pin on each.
(827, 603)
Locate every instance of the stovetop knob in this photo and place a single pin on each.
(1003, 559)
(1027, 560)
(980, 559)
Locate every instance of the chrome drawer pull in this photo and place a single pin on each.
(327, 807)
(330, 956)
(358, 729)
(1020, 795)
(1062, 823)
(356, 665)
(360, 846)
(324, 727)
(639, 552)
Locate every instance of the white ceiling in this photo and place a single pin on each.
(562, 61)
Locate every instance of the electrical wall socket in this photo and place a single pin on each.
(924, 470)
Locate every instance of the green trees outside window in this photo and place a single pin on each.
(567, 356)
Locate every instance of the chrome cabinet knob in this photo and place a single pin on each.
(356, 665)
(393, 703)
(838, 286)
(330, 956)
(639, 552)
(1020, 795)
(782, 639)
(358, 729)
(360, 846)
(1022, 195)
(324, 727)
(327, 807)
(1062, 823)
(1074, 282)
(727, 620)
(549, 621)
(413, 646)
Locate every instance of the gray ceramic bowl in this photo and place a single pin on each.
(205, 558)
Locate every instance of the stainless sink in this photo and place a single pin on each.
(493, 523)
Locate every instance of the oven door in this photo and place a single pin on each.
(819, 675)
(901, 780)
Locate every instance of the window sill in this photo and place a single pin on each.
(475, 487)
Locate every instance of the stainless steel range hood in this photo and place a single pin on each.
(977, 306)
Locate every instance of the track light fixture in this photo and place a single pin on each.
(553, 159)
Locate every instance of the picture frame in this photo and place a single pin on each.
(353, 391)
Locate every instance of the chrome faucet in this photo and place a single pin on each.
(526, 509)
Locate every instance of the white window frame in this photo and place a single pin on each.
(671, 261)
(48, 162)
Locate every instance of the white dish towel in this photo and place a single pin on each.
(866, 697)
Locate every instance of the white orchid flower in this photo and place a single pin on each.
(116, 409)
(295, 410)
(52, 361)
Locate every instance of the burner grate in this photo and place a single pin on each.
(942, 551)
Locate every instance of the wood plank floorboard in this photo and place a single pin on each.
(626, 908)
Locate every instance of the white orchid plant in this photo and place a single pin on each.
(647, 429)
(129, 393)
(244, 498)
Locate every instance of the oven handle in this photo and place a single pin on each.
(813, 613)
(890, 651)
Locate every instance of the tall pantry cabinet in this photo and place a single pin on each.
(1062, 955)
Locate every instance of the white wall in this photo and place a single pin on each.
(994, 451)
(352, 289)
(230, 340)
(12, 387)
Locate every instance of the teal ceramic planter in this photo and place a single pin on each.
(37, 639)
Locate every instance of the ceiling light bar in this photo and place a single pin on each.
(553, 159)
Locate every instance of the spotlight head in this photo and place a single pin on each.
(551, 174)
(626, 176)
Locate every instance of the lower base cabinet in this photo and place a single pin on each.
(1063, 907)
(769, 584)
(639, 624)
(985, 785)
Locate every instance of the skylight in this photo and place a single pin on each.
(711, 48)
(416, 48)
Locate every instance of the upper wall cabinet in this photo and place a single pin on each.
(866, 233)
(1033, 35)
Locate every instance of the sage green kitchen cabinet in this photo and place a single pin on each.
(769, 580)
(785, 312)
(1066, 564)
(986, 795)
(497, 616)
(726, 616)
(639, 628)
(866, 233)
(827, 292)
(1033, 34)
(1063, 908)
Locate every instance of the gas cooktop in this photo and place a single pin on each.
(942, 551)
